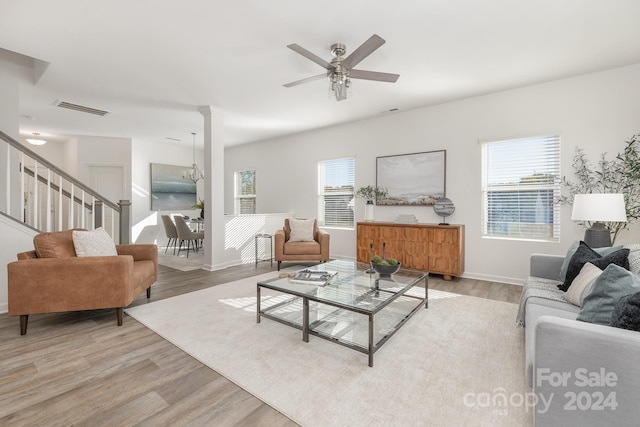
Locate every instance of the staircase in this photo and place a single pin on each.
(43, 197)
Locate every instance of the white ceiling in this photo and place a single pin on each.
(153, 62)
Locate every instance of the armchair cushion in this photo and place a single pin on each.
(301, 248)
(93, 243)
(58, 244)
(302, 230)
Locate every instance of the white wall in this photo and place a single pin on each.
(596, 112)
(15, 239)
(14, 69)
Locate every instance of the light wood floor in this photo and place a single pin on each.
(81, 369)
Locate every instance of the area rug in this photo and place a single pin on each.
(459, 362)
(180, 262)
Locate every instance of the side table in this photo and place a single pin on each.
(264, 236)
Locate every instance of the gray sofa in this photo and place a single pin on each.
(582, 374)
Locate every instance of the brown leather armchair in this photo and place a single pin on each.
(301, 251)
(53, 279)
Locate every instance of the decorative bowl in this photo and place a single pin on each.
(385, 270)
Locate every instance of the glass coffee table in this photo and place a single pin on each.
(357, 309)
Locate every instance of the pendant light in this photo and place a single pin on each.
(195, 174)
(35, 140)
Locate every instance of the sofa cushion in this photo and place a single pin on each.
(57, 244)
(581, 285)
(572, 250)
(537, 307)
(614, 283)
(585, 254)
(94, 243)
(634, 258)
(626, 313)
(301, 230)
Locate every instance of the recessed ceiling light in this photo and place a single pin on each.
(35, 140)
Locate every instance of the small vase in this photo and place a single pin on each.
(369, 208)
(202, 214)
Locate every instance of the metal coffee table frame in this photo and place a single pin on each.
(306, 294)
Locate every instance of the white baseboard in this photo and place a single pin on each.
(491, 278)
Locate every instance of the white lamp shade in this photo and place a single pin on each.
(599, 207)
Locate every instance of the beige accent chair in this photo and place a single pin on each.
(52, 279)
(318, 250)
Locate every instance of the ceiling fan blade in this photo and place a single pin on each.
(308, 79)
(312, 56)
(374, 75)
(365, 49)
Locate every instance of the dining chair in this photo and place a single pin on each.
(171, 232)
(186, 234)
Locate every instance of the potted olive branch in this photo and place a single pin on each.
(200, 205)
(371, 193)
(620, 175)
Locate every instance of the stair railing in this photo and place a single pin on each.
(53, 200)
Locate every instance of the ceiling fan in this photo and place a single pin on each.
(340, 70)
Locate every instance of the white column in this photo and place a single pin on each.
(214, 227)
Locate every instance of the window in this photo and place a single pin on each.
(335, 192)
(520, 187)
(245, 192)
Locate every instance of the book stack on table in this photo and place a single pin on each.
(313, 277)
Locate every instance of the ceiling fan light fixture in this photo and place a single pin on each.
(339, 85)
(341, 70)
(35, 140)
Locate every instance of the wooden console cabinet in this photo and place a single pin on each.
(434, 248)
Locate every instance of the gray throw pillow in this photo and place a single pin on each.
(572, 250)
(585, 254)
(614, 283)
(626, 313)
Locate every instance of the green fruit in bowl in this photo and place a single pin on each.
(376, 259)
(384, 262)
(392, 261)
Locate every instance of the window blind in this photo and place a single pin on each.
(245, 192)
(335, 192)
(520, 188)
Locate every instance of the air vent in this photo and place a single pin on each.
(82, 108)
(173, 139)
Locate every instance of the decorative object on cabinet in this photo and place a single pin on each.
(406, 219)
(444, 207)
(416, 179)
(434, 248)
(370, 194)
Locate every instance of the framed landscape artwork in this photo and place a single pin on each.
(170, 188)
(412, 179)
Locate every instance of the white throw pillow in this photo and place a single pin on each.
(582, 284)
(301, 230)
(93, 243)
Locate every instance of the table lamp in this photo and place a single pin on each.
(598, 208)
